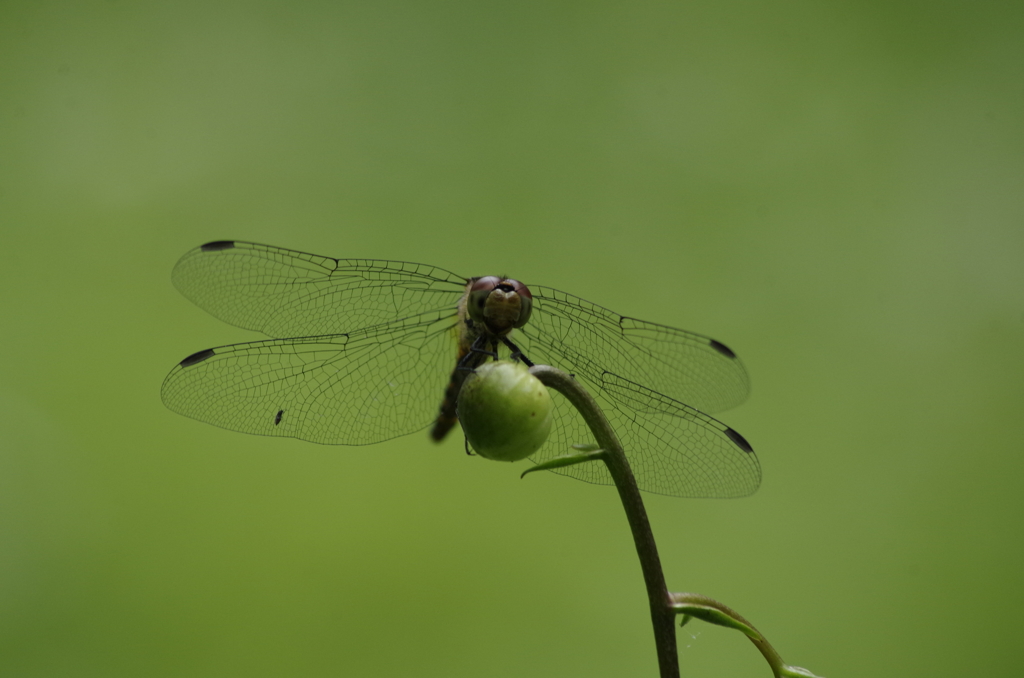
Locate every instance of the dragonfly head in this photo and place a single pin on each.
(501, 304)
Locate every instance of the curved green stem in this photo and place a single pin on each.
(664, 605)
(662, 610)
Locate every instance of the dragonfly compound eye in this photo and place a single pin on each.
(499, 304)
(525, 301)
(480, 289)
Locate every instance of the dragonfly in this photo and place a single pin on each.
(366, 350)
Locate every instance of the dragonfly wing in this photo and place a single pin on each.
(582, 338)
(284, 293)
(673, 448)
(357, 388)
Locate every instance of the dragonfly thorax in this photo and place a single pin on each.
(499, 304)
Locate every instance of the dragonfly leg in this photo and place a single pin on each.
(516, 353)
(479, 347)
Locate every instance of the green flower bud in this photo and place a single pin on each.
(505, 411)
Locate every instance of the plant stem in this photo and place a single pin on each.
(662, 611)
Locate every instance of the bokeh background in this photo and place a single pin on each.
(832, 189)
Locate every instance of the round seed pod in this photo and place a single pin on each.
(505, 411)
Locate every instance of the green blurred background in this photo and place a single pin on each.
(832, 189)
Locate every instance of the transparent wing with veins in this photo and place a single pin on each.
(655, 385)
(283, 293)
(583, 338)
(375, 343)
(673, 449)
(355, 388)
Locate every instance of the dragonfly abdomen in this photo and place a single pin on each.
(447, 417)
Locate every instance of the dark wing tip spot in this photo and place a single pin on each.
(722, 348)
(218, 245)
(197, 357)
(740, 441)
(277, 417)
